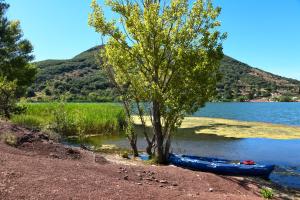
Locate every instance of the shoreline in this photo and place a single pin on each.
(41, 168)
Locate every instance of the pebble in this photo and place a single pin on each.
(139, 183)
(126, 177)
(163, 181)
(211, 189)
(175, 184)
(161, 186)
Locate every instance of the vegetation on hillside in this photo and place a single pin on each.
(79, 79)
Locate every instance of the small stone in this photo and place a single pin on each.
(163, 181)
(119, 172)
(139, 175)
(211, 189)
(175, 184)
(139, 183)
(161, 186)
(125, 171)
(126, 177)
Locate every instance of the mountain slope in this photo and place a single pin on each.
(80, 79)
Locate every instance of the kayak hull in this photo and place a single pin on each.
(220, 166)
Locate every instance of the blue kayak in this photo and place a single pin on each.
(221, 166)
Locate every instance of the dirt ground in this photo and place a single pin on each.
(38, 168)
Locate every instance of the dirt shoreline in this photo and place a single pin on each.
(39, 168)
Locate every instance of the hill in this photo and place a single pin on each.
(81, 79)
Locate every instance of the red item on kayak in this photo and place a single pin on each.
(248, 162)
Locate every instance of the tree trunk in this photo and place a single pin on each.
(161, 157)
(6, 113)
(134, 148)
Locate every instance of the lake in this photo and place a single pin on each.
(271, 112)
(285, 154)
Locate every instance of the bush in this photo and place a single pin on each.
(7, 97)
(9, 138)
(267, 193)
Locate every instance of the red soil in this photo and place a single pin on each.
(43, 169)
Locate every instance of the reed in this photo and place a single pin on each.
(73, 118)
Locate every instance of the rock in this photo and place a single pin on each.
(53, 155)
(139, 183)
(43, 137)
(175, 184)
(139, 175)
(26, 138)
(75, 154)
(161, 186)
(211, 189)
(100, 159)
(125, 177)
(163, 181)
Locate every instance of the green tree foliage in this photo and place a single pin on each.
(7, 97)
(167, 53)
(15, 53)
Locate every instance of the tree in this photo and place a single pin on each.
(7, 97)
(167, 53)
(15, 53)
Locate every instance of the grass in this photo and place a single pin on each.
(267, 193)
(73, 118)
(235, 129)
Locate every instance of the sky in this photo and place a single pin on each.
(262, 33)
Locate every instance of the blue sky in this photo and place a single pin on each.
(262, 33)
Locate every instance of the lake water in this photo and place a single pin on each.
(285, 154)
(271, 112)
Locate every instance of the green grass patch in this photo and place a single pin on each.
(73, 118)
(267, 193)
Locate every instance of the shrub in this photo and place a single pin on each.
(7, 97)
(9, 138)
(267, 193)
(284, 99)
